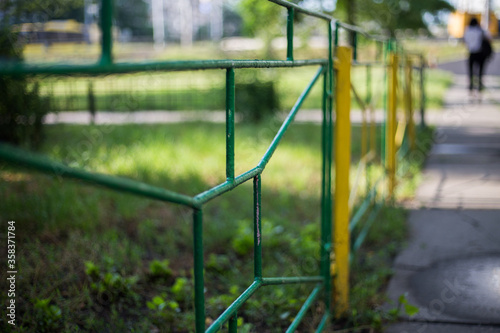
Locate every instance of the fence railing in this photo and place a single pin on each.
(335, 71)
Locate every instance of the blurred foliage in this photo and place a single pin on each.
(21, 107)
(133, 15)
(48, 316)
(391, 15)
(264, 19)
(40, 10)
(257, 100)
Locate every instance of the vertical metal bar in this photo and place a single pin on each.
(386, 50)
(329, 150)
(199, 283)
(230, 124)
(325, 221)
(336, 34)
(391, 123)
(422, 92)
(409, 102)
(289, 34)
(355, 45)
(233, 323)
(257, 232)
(342, 169)
(106, 30)
(326, 144)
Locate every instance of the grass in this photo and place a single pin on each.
(65, 226)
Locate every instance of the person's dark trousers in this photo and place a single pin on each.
(476, 58)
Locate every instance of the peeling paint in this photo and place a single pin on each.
(258, 224)
(257, 214)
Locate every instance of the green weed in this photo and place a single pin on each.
(110, 287)
(48, 316)
(160, 270)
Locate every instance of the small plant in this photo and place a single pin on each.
(409, 309)
(110, 286)
(158, 303)
(160, 269)
(393, 314)
(92, 270)
(164, 311)
(244, 327)
(182, 290)
(48, 316)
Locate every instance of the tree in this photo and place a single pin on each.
(261, 19)
(40, 10)
(264, 19)
(392, 15)
(133, 15)
(21, 106)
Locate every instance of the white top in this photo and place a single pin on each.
(473, 38)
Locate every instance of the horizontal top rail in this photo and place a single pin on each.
(368, 63)
(185, 65)
(303, 10)
(357, 29)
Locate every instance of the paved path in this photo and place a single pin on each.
(450, 268)
(167, 117)
(460, 66)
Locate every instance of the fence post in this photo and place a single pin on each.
(409, 102)
(355, 46)
(390, 140)
(342, 166)
(422, 92)
(199, 283)
(326, 194)
(106, 30)
(289, 34)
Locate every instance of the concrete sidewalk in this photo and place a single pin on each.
(168, 117)
(450, 267)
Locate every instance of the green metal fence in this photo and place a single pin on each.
(325, 75)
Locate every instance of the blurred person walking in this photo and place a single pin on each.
(478, 44)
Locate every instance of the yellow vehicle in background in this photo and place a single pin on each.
(459, 20)
(55, 31)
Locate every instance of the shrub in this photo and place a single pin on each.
(21, 107)
(256, 98)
